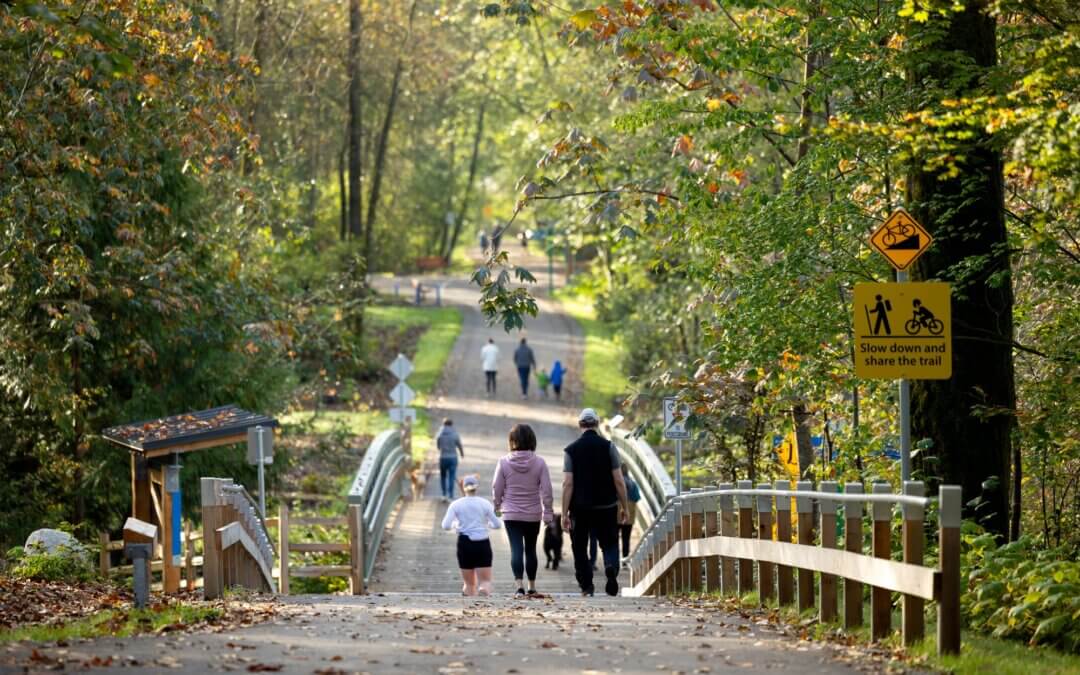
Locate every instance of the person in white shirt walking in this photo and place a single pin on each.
(471, 516)
(489, 356)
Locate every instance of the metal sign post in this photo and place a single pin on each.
(902, 239)
(675, 416)
(261, 453)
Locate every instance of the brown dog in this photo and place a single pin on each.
(418, 478)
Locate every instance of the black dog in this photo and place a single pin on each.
(553, 540)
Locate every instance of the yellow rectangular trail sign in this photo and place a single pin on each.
(903, 331)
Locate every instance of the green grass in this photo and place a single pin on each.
(604, 378)
(116, 623)
(432, 351)
(444, 325)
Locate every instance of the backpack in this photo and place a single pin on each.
(633, 492)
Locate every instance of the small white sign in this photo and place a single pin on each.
(675, 416)
(399, 415)
(253, 434)
(401, 367)
(402, 395)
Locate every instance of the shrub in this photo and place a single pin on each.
(42, 566)
(1022, 591)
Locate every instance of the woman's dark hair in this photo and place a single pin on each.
(522, 438)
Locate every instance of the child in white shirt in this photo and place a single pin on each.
(471, 516)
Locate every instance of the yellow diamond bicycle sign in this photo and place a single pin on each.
(903, 331)
(901, 239)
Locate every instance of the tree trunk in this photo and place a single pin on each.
(444, 223)
(805, 109)
(356, 124)
(222, 11)
(343, 193)
(804, 445)
(261, 52)
(383, 143)
(969, 418)
(460, 220)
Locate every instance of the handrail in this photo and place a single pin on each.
(375, 489)
(699, 540)
(657, 488)
(815, 496)
(228, 510)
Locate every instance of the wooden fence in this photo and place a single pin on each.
(707, 540)
(191, 564)
(354, 546)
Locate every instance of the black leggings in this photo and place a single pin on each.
(522, 535)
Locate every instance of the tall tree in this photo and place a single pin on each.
(459, 221)
(384, 138)
(970, 416)
(356, 123)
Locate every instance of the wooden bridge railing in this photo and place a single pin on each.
(707, 540)
(236, 546)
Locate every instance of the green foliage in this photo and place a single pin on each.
(67, 566)
(117, 623)
(1020, 591)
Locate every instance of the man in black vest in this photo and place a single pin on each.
(593, 501)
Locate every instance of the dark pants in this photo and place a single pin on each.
(489, 381)
(447, 475)
(522, 535)
(558, 390)
(624, 530)
(604, 523)
(523, 375)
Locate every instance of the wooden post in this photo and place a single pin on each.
(785, 575)
(680, 566)
(356, 548)
(729, 527)
(746, 531)
(881, 598)
(913, 621)
(949, 514)
(712, 562)
(213, 564)
(170, 573)
(805, 508)
(853, 542)
(189, 556)
(766, 578)
(140, 488)
(104, 558)
(283, 547)
(697, 522)
(827, 507)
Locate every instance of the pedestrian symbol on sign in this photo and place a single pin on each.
(881, 310)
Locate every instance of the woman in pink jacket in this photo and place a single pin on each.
(522, 493)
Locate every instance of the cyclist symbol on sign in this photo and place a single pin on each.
(923, 318)
(898, 232)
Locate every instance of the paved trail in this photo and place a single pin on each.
(419, 555)
(419, 631)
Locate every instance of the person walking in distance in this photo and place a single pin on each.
(557, 374)
(633, 496)
(471, 516)
(522, 496)
(525, 361)
(449, 443)
(489, 360)
(593, 501)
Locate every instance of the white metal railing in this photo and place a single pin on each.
(657, 488)
(376, 488)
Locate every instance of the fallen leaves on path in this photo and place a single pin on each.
(24, 602)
